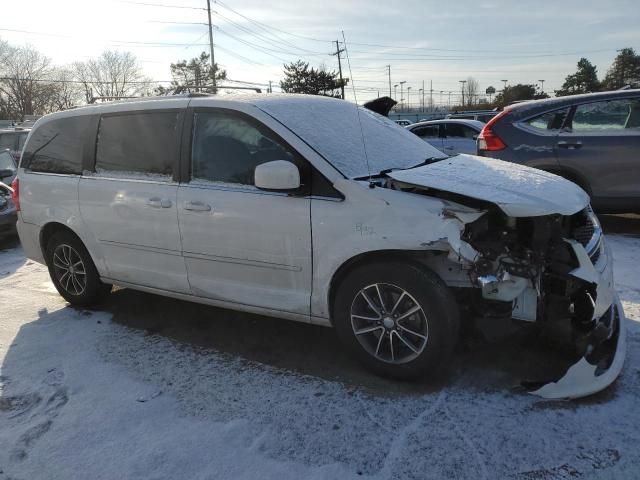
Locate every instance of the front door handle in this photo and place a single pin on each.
(157, 202)
(197, 206)
(569, 145)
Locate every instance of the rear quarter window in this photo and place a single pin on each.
(57, 146)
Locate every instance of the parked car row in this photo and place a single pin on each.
(592, 140)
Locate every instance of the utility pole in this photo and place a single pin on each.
(213, 58)
(409, 98)
(338, 52)
(402, 93)
(395, 92)
(431, 95)
(423, 106)
(462, 82)
(270, 89)
(541, 86)
(389, 67)
(449, 101)
(421, 96)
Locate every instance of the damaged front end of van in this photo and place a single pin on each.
(535, 254)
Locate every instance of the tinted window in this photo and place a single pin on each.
(21, 139)
(549, 120)
(7, 141)
(6, 161)
(612, 115)
(57, 146)
(138, 142)
(460, 131)
(426, 132)
(227, 148)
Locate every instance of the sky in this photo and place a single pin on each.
(422, 40)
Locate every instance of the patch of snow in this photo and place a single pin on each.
(82, 397)
(518, 190)
(156, 177)
(332, 127)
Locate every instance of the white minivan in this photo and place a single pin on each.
(315, 210)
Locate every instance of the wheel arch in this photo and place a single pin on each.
(407, 256)
(571, 175)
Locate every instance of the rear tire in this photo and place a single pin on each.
(398, 319)
(72, 270)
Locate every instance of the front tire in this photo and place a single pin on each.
(399, 319)
(72, 270)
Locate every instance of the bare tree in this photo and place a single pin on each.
(470, 89)
(23, 85)
(65, 92)
(112, 74)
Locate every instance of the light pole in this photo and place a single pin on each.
(462, 82)
(402, 93)
(395, 92)
(541, 86)
(505, 85)
(421, 92)
(408, 98)
(441, 92)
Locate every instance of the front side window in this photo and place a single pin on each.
(227, 148)
(57, 146)
(138, 143)
(549, 121)
(611, 115)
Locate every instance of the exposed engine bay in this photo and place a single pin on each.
(552, 270)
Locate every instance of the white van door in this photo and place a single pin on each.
(242, 244)
(130, 203)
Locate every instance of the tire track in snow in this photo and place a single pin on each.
(396, 450)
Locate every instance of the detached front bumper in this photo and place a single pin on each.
(606, 351)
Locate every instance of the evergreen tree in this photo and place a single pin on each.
(192, 76)
(519, 92)
(585, 80)
(299, 78)
(624, 71)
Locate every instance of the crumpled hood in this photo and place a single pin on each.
(519, 191)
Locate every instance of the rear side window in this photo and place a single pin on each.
(550, 120)
(611, 115)
(142, 143)
(426, 132)
(57, 146)
(458, 130)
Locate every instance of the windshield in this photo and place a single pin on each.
(331, 127)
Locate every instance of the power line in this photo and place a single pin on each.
(146, 4)
(266, 27)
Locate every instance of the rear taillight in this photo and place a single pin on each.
(488, 140)
(15, 195)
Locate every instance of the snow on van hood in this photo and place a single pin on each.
(519, 191)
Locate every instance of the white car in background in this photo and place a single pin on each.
(307, 208)
(449, 135)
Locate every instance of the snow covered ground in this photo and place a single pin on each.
(148, 389)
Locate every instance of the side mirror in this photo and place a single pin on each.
(277, 175)
(7, 172)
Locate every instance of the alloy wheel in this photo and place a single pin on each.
(69, 269)
(389, 323)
